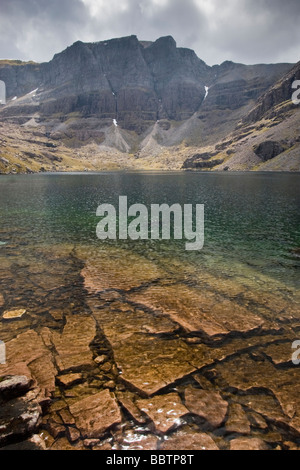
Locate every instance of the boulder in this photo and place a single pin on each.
(14, 386)
(19, 418)
(268, 150)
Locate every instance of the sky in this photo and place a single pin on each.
(245, 31)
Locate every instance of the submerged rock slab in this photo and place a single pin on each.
(189, 441)
(115, 269)
(279, 384)
(148, 350)
(69, 379)
(150, 364)
(135, 441)
(248, 444)
(95, 414)
(280, 353)
(72, 345)
(165, 411)
(147, 361)
(27, 355)
(264, 406)
(131, 408)
(199, 311)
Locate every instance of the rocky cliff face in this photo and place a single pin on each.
(123, 79)
(278, 94)
(111, 95)
(266, 138)
(115, 79)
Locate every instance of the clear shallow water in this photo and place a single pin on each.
(252, 221)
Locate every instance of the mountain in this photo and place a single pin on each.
(266, 139)
(126, 103)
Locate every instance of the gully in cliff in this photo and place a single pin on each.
(134, 223)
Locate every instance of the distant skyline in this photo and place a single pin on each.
(247, 31)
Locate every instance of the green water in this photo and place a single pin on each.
(252, 221)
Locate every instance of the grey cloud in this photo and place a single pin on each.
(263, 30)
(248, 31)
(36, 28)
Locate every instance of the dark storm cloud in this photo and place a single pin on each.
(248, 31)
